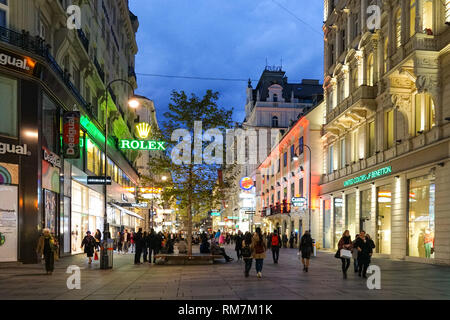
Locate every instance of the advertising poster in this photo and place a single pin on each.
(50, 211)
(8, 223)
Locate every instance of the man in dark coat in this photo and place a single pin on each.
(154, 244)
(365, 247)
(238, 244)
(138, 240)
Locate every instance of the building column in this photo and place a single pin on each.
(442, 214)
(399, 229)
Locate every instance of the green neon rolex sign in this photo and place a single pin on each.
(141, 145)
(369, 176)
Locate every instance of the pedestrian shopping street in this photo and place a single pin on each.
(399, 280)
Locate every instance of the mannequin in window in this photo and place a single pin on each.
(429, 243)
(421, 243)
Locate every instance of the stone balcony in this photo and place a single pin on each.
(363, 96)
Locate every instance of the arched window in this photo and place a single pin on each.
(275, 97)
(355, 80)
(398, 28)
(386, 52)
(370, 80)
(275, 122)
(412, 17)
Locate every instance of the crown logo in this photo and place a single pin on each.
(143, 130)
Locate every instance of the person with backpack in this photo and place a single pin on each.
(259, 251)
(246, 253)
(48, 248)
(275, 243)
(89, 244)
(306, 248)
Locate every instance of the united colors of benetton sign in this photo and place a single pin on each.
(369, 176)
(142, 145)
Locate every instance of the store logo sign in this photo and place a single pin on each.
(16, 62)
(71, 135)
(142, 145)
(52, 158)
(299, 202)
(14, 149)
(368, 176)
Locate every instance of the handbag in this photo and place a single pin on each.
(338, 254)
(96, 256)
(346, 254)
(246, 252)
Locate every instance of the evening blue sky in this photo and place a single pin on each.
(224, 39)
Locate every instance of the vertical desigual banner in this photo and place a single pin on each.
(71, 135)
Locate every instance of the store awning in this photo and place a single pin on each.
(131, 213)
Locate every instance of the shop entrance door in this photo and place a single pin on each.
(8, 223)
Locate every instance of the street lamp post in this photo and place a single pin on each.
(310, 182)
(106, 235)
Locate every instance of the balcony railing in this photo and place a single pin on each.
(278, 208)
(84, 40)
(23, 40)
(100, 71)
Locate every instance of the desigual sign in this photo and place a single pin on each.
(21, 150)
(52, 158)
(16, 62)
(71, 135)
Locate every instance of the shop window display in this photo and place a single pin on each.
(350, 213)
(339, 221)
(366, 208)
(384, 203)
(327, 230)
(421, 216)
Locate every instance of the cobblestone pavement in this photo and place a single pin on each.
(286, 280)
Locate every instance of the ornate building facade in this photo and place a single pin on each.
(387, 134)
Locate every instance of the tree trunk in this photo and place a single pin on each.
(189, 212)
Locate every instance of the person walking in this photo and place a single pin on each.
(145, 246)
(247, 253)
(306, 248)
(132, 242)
(89, 245)
(269, 240)
(126, 241)
(365, 247)
(291, 241)
(153, 245)
(119, 242)
(345, 243)
(285, 240)
(275, 243)
(48, 248)
(138, 242)
(238, 244)
(355, 254)
(259, 251)
(98, 238)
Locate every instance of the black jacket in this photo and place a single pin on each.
(366, 248)
(154, 241)
(306, 244)
(138, 239)
(238, 245)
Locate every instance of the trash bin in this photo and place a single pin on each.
(314, 247)
(106, 254)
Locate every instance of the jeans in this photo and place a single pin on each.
(238, 253)
(275, 253)
(145, 253)
(345, 265)
(363, 264)
(355, 264)
(248, 265)
(259, 265)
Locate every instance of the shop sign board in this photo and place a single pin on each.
(246, 183)
(21, 150)
(142, 145)
(368, 176)
(17, 62)
(71, 134)
(98, 180)
(299, 202)
(52, 158)
(250, 212)
(233, 218)
(215, 214)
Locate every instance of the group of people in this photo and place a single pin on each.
(360, 249)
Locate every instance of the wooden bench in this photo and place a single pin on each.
(184, 259)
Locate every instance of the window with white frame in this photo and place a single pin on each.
(4, 13)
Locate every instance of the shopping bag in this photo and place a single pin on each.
(346, 254)
(96, 256)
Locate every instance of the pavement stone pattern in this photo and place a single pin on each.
(282, 281)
